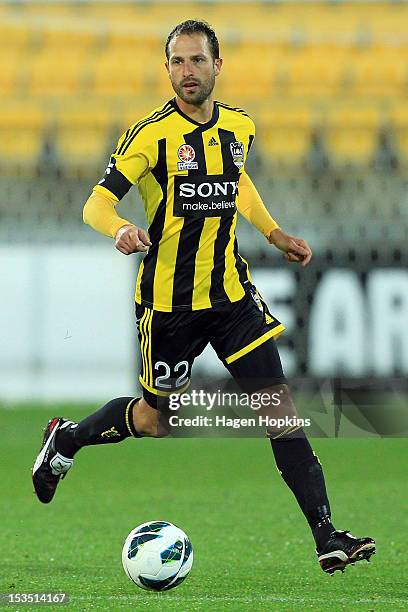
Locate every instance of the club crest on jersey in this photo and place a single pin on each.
(237, 152)
(186, 155)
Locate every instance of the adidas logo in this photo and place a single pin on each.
(212, 142)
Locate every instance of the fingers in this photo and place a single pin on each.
(144, 238)
(307, 259)
(297, 247)
(299, 252)
(132, 239)
(122, 249)
(308, 256)
(292, 257)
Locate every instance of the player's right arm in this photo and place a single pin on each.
(100, 213)
(129, 162)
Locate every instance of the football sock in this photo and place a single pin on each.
(111, 423)
(302, 472)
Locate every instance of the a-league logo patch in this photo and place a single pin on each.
(237, 152)
(186, 155)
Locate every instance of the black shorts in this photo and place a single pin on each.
(242, 334)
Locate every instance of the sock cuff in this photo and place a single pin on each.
(129, 417)
(289, 433)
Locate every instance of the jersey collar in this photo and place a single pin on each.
(202, 126)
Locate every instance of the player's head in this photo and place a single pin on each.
(193, 61)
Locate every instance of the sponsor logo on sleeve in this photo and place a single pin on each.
(186, 155)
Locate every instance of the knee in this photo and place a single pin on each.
(148, 421)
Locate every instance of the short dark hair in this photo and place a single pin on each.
(191, 26)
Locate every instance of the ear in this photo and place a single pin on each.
(217, 66)
(167, 67)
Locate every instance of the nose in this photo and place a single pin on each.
(187, 69)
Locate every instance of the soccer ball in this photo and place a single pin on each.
(157, 556)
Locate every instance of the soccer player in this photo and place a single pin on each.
(193, 288)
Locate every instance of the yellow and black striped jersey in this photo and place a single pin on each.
(187, 174)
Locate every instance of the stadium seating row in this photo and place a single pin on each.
(289, 67)
(279, 20)
(17, 115)
(86, 146)
(85, 135)
(305, 72)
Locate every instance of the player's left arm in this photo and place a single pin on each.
(252, 208)
(296, 250)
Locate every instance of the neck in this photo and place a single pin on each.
(201, 113)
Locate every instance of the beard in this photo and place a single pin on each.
(197, 97)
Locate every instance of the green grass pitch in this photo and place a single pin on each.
(253, 550)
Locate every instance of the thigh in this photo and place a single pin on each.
(169, 343)
(244, 340)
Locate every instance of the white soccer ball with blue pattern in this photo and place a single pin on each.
(157, 556)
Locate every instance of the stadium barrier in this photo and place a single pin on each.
(68, 328)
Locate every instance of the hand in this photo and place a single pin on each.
(296, 250)
(131, 239)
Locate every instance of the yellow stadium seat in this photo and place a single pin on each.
(353, 146)
(352, 115)
(68, 41)
(388, 22)
(117, 13)
(52, 10)
(82, 138)
(316, 72)
(82, 118)
(81, 151)
(286, 146)
(116, 75)
(131, 45)
(10, 69)
(292, 116)
(351, 134)
(19, 116)
(398, 118)
(379, 73)
(244, 75)
(21, 145)
(13, 38)
(173, 13)
(21, 135)
(55, 74)
(82, 146)
(284, 133)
